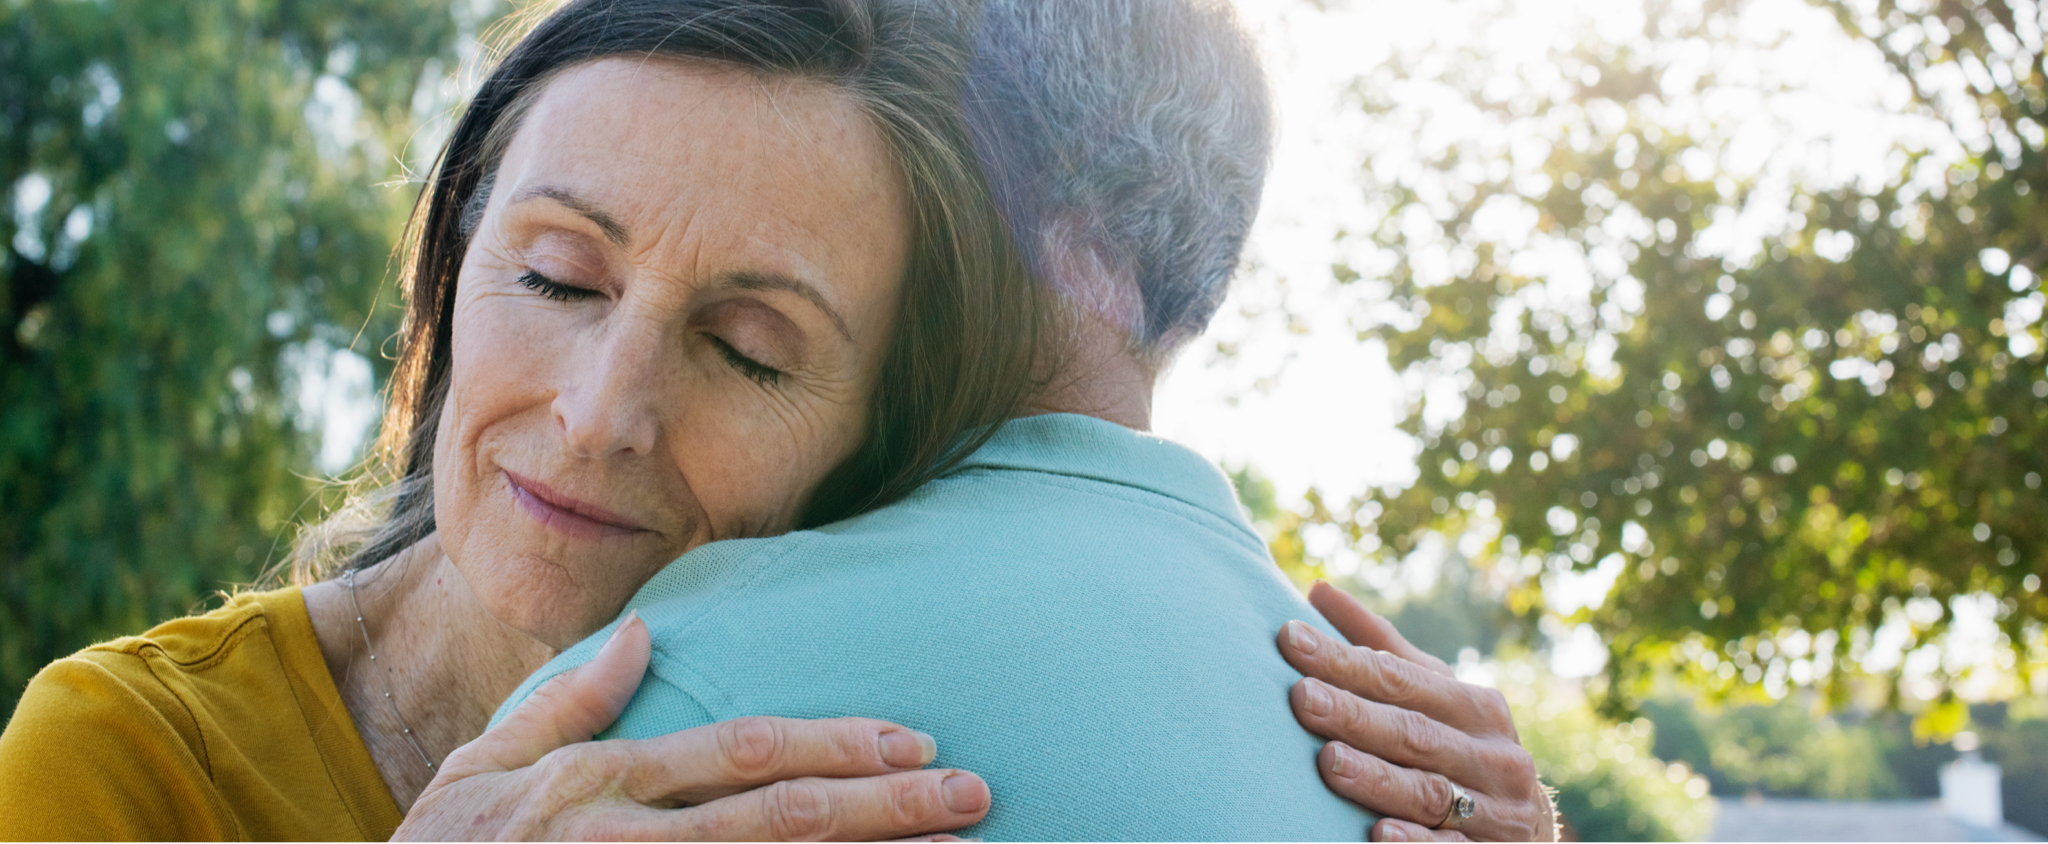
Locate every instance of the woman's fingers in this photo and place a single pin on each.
(1383, 786)
(1366, 628)
(824, 809)
(1420, 797)
(1389, 829)
(751, 778)
(707, 763)
(1402, 736)
(1384, 677)
(1389, 703)
(538, 775)
(566, 710)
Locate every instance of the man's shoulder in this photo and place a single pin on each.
(1009, 507)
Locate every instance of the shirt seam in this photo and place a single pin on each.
(672, 663)
(1238, 531)
(208, 656)
(205, 754)
(152, 652)
(752, 564)
(999, 468)
(294, 682)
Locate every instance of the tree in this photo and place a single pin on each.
(1782, 412)
(201, 211)
(1785, 749)
(1610, 787)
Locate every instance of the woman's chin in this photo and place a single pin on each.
(556, 579)
(535, 598)
(557, 595)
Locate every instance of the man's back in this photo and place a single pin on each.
(1080, 615)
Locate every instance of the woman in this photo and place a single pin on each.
(802, 340)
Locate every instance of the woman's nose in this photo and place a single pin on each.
(608, 404)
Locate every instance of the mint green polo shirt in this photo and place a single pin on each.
(1079, 613)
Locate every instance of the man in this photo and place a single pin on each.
(1076, 613)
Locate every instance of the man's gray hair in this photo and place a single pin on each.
(1125, 140)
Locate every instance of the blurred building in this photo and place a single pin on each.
(1970, 809)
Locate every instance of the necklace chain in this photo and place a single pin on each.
(348, 578)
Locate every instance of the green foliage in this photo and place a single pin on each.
(198, 197)
(1782, 750)
(1780, 448)
(1787, 749)
(1453, 616)
(1281, 528)
(2020, 747)
(1609, 785)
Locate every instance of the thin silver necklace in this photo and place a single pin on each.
(348, 578)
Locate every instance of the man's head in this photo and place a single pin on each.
(1126, 142)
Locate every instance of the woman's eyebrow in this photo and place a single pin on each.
(743, 279)
(605, 222)
(754, 280)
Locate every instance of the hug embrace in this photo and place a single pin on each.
(766, 459)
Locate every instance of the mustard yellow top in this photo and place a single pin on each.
(220, 726)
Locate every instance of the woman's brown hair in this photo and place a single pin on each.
(962, 360)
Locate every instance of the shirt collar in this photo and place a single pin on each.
(1086, 447)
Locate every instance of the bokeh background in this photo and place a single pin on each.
(1676, 366)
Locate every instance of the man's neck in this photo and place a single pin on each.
(1099, 374)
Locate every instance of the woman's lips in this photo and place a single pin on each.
(567, 515)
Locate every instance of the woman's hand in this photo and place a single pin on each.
(1403, 730)
(539, 776)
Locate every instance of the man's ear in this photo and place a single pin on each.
(1091, 276)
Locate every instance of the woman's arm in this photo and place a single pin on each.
(1406, 736)
(538, 775)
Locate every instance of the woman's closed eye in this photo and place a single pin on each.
(753, 370)
(760, 373)
(550, 289)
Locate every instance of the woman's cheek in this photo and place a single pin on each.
(496, 370)
(452, 503)
(744, 458)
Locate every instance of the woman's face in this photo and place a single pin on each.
(666, 330)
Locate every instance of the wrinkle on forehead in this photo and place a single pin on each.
(848, 123)
(816, 126)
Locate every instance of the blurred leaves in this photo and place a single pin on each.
(1785, 749)
(202, 200)
(1609, 786)
(1797, 420)
(1781, 750)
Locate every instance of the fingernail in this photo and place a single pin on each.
(1341, 761)
(628, 622)
(1318, 697)
(1392, 832)
(964, 793)
(1301, 637)
(908, 749)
